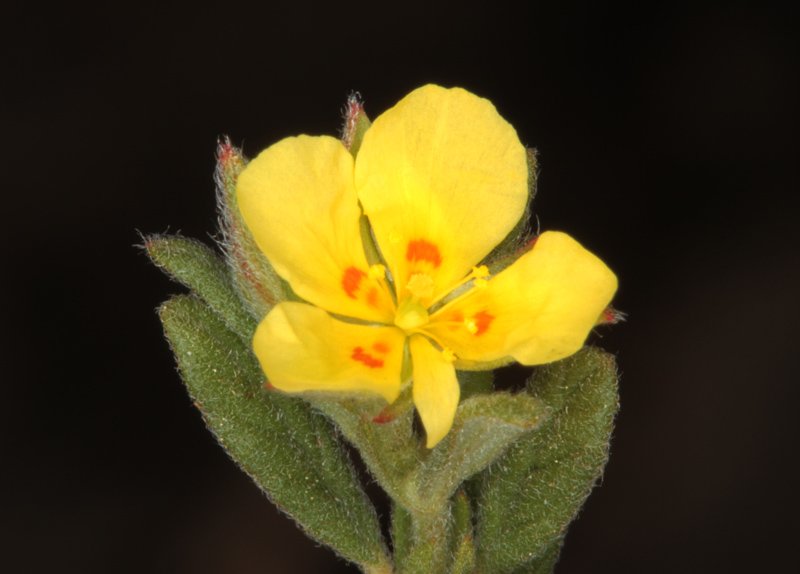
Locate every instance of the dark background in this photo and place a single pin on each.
(668, 142)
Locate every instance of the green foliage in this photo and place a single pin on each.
(484, 427)
(475, 382)
(289, 451)
(463, 536)
(389, 448)
(421, 482)
(419, 479)
(256, 282)
(422, 543)
(545, 563)
(530, 495)
(200, 269)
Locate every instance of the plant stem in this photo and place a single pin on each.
(422, 540)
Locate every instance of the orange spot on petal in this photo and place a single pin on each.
(380, 347)
(454, 320)
(372, 297)
(351, 280)
(422, 250)
(365, 358)
(482, 322)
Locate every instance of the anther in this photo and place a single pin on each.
(480, 283)
(480, 272)
(471, 325)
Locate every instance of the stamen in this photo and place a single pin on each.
(480, 272)
(479, 276)
(479, 323)
(471, 325)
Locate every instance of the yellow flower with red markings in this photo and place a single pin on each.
(442, 180)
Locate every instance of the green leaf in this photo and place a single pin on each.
(543, 564)
(257, 283)
(199, 268)
(387, 444)
(423, 480)
(475, 382)
(484, 427)
(528, 498)
(289, 451)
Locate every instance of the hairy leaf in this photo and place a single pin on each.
(289, 451)
(528, 498)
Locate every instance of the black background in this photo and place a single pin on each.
(668, 145)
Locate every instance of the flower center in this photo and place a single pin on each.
(410, 314)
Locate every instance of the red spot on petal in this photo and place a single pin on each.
(482, 321)
(421, 250)
(365, 358)
(351, 280)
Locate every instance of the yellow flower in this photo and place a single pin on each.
(442, 179)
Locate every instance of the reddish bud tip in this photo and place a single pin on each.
(383, 417)
(530, 243)
(225, 150)
(353, 108)
(611, 316)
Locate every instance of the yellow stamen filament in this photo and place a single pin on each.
(448, 355)
(480, 279)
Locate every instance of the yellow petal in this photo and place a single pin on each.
(538, 310)
(435, 388)
(298, 200)
(443, 179)
(302, 348)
